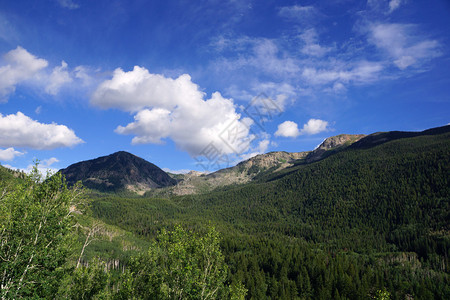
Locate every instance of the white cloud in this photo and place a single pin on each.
(68, 4)
(314, 126)
(19, 130)
(263, 145)
(261, 54)
(281, 94)
(49, 162)
(58, 78)
(338, 87)
(138, 89)
(84, 74)
(288, 129)
(311, 47)
(182, 171)
(175, 109)
(303, 14)
(8, 32)
(149, 126)
(44, 166)
(9, 154)
(394, 4)
(268, 57)
(403, 45)
(360, 72)
(21, 66)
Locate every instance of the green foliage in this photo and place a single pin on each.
(382, 295)
(35, 223)
(179, 265)
(86, 282)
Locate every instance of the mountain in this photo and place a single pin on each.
(120, 170)
(259, 166)
(333, 144)
(379, 138)
(243, 172)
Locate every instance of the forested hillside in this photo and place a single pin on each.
(368, 221)
(358, 221)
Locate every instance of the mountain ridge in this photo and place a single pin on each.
(100, 173)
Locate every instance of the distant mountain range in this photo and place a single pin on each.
(122, 170)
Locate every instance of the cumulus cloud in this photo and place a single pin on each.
(176, 109)
(21, 65)
(288, 129)
(314, 126)
(58, 78)
(137, 89)
(404, 46)
(19, 130)
(9, 154)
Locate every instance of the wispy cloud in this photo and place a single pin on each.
(261, 54)
(311, 46)
(69, 4)
(301, 14)
(394, 4)
(8, 32)
(359, 72)
(404, 46)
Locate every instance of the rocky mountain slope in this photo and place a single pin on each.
(243, 172)
(259, 165)
(333, 144)
(120, 170)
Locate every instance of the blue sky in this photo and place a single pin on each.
(200, 85)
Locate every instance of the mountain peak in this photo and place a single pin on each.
(120, 170)
(333, 143)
